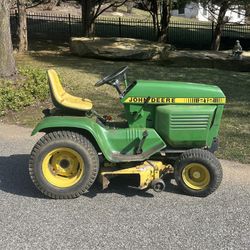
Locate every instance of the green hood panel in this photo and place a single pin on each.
(117, 145)
(170, 92)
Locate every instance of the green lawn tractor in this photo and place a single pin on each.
(170, 128)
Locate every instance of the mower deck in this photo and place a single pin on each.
(149, 172)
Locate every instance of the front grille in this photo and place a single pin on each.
(189, 121)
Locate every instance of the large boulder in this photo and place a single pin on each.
(117, 48)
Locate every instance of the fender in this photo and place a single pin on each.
(117, 145)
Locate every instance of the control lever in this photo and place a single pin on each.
(139, 148)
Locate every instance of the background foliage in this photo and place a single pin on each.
(30, 88)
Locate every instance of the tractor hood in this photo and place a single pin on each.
(167, 92)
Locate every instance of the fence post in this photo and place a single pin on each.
(120, 27)
(212, 34)
(70, 31)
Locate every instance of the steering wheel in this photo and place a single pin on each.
(111, 78)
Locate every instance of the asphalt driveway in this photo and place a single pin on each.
(121, 217)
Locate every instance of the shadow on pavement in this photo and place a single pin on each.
(122, 186)
(14, 176)
(15, 179)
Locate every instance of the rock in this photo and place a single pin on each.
(199, 55)
(206, 59)
(118, 48)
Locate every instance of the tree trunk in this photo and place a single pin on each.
(165, 19)
(22, 28)
(7, 61)
(88, 12)
(219, 26)
(130, 5)
(155, 16)
(114, 8)
(58, 2)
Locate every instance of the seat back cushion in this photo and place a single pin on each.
(55, 85)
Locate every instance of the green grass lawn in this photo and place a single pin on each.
(80, 74)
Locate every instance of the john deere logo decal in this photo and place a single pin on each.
(158, 100)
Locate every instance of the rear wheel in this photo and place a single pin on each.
(198, 172)
(63, 164)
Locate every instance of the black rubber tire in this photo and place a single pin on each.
(71, 140)
(208, 160)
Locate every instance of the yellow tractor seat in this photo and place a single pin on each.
(62, 99)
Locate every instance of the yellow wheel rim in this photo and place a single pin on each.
(196, 176)
(63, 167)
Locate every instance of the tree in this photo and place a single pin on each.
(218, 10)
(22, 27)
(224, 5)
(7, 62)
(160, 11)
(129, 4)
(91, 9)
(22, 6)
(165, 20)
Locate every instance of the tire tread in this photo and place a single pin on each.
(199, 155)
(76, 137)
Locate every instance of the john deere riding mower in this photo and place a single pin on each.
(171, 128)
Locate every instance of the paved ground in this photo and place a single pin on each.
(120, 218)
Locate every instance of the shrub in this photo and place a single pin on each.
(31, 87)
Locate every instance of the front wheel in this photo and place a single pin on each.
(198, 172)
(63, 164)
